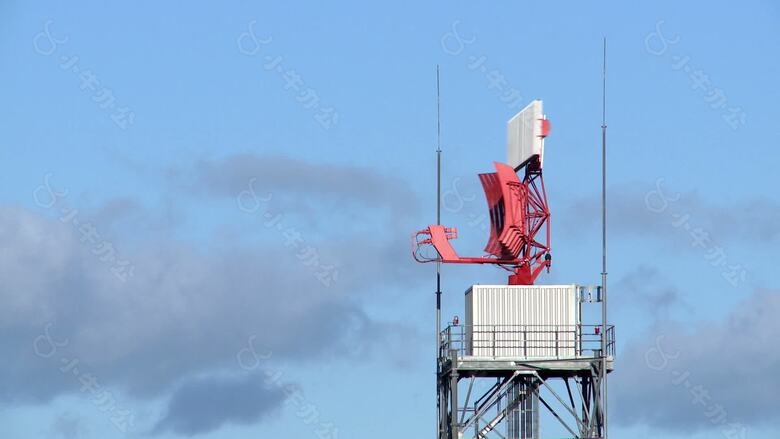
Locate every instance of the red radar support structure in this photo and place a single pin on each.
(519, 215)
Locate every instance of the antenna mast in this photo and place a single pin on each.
(603, 377)
(438, 263)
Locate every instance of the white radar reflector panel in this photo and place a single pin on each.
(525, 134)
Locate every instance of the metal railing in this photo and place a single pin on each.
(527, 341)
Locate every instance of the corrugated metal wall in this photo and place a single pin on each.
(534, 321)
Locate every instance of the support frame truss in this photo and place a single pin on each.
(491, 396)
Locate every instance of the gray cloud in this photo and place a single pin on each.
(648, 289)
(348, 186)
(186, 310)
(130, 216)
(736, 360)
(205, 404)
(756, 220)
(191, 307)
(68, 426)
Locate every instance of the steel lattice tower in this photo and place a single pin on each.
(524, 353)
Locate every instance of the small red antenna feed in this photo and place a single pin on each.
(545, 127)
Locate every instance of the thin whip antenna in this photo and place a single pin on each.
(603, 377)
(438, 263)
(438, 149)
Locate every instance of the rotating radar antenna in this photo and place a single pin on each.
(519, 215)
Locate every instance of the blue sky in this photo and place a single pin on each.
(208, 117)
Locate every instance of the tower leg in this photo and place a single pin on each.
(454, 395)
